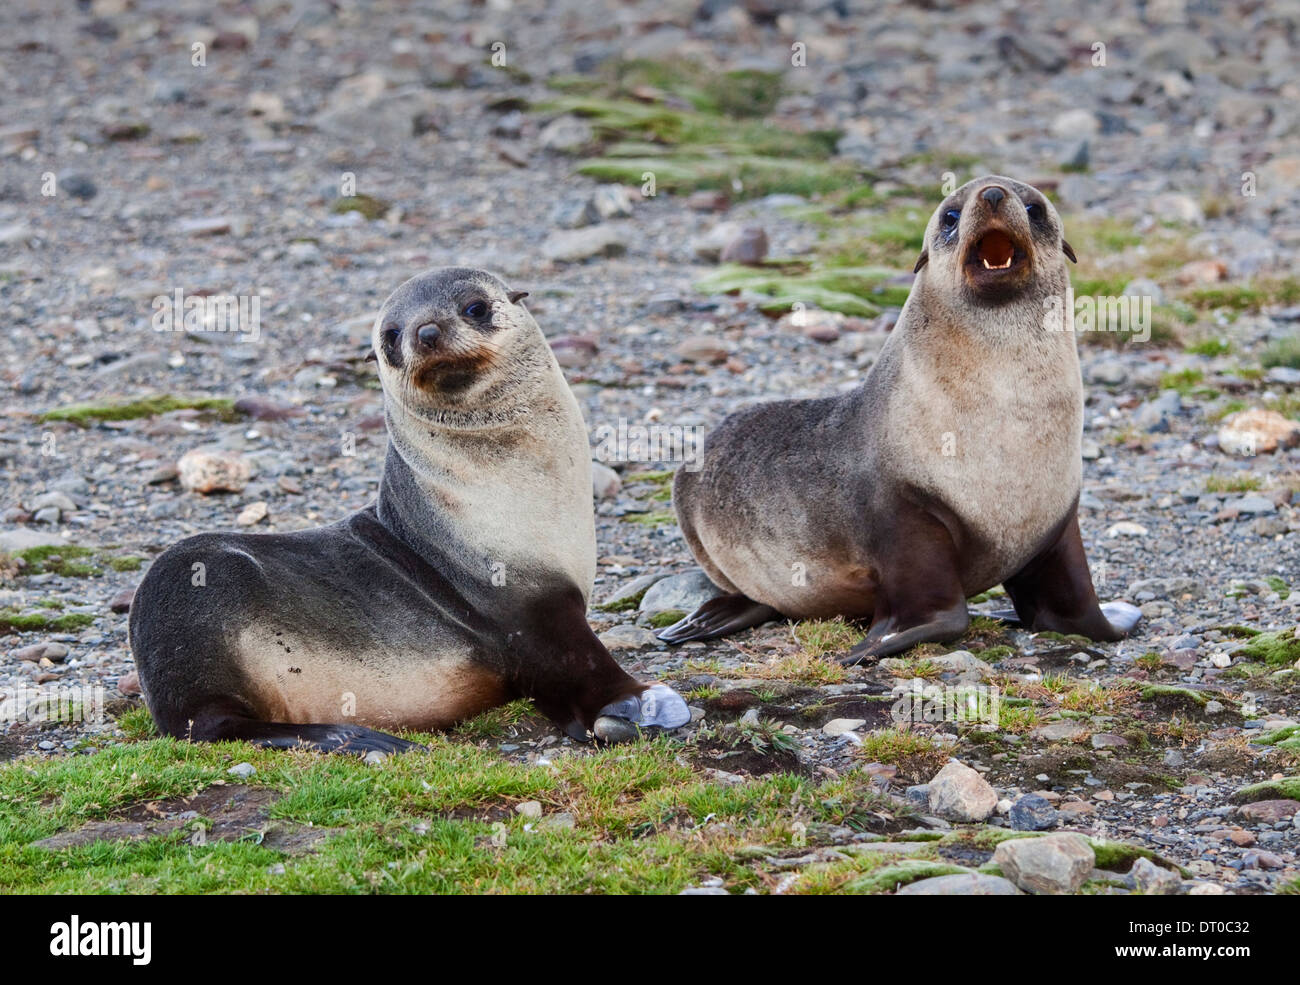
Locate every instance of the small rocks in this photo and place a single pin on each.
(1052, 864)
(1108, 372)
(36, 652)
(958, 793)
(213, 470)
(129, 684)
(121, 602)
(242, 770)
(1033, 812)
(530, 809)
(961, 884)
(251, 514)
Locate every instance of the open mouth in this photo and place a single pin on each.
(995, 251)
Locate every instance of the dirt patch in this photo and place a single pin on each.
(1068, 765)
(716, 754)
(235, 812)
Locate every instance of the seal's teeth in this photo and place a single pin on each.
(996, 266)
(987, 265)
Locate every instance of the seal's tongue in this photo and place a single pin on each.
(995, 250)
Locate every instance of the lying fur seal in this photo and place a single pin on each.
(954, 467)
(464, 586)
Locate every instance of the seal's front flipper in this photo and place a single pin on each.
(1009, 617)
(354, 739)
(889, 636)
(1054, 592)
(719, 617)
(658, 706)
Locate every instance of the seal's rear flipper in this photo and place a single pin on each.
(355, 739)
(719, 617)
(1009, 617)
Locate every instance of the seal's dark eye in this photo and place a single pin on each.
(1036, 212)
(475, 309)
(391, 341)
(949, 219)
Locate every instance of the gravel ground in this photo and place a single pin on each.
(224, 178)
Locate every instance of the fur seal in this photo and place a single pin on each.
(954, 467)
(464, 585)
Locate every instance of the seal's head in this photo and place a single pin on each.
(995, 241)
(456, 346)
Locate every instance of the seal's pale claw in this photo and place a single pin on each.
(658, 705)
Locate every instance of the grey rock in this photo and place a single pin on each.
(1154, 415)
(684, 593)
(1108, 372)
(576, 245)
(636, 586)
(605, 482)
(959, 793)
(1252, 504)
(750, 247)
(1034, 813)
(242, 770)
(626, 637)
(1153, 880)
(566, 134)
(1052, 864)
(22, 539)
(961, 884)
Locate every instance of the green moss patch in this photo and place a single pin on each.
(849, 290)
(367, 205)
(1281, 649)
(14, 621)
(1288, 788)
(84, 414)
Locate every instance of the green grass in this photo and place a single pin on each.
(1283, 352)
(73, 561)
(496, 722)
(437, 822)
(918, 756)
(1185, 381)
(14, 621)
(821, 637)
(370, 207)
(655, 518)
(666, 618)
(849, 290)
(128, 410)
(1232, 483)
(1209, 347)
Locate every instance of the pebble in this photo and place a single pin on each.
(605, 482)
(1257, 432)
(626, 637)
(838, 726)
(750, 247)
(1269, 811)
(251, 514)
(213, 470)
(242, 770)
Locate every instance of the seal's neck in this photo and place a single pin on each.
(514, 499)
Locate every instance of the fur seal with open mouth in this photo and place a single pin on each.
(463, 586)
(954, 467)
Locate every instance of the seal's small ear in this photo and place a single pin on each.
(1068, 250)
(371, 357)
(516, 296)
(921, 261)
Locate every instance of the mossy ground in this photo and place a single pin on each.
(127, 410)
(645, 821)
(69, 561)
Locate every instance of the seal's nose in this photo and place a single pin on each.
(994, 196)
(428, 334)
